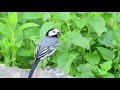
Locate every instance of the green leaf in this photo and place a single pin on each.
(117, 75)
(5, 31)
(73, 70)
(107, 39)
(45, 16)
(118, 38)
(18, 39)
(75, 38)
(42, 64)
(26, 25)
(62, 15)
(85, 71)
(116, 16)
(118, 67)
(32, 15)
(5, 46)
(106, 53)
(108, 75)
(19, 16)
(94, 68)
(98, 23)
(83, 68)
(107, 16)
(45, 62)
(88, 74)
(93, 58)
(106, 65)
(31, 32)
(102, 72)
(80, 22)
(45, 27)
(25, 53)
(96, 13)
(12, 20)
(65, 60)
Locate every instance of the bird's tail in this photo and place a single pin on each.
(33, 68)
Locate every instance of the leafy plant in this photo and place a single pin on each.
(89, 46)
(12, 37)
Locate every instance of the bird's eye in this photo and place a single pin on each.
(53, 31)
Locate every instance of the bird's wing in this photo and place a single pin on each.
(46, 46)
(45, 52)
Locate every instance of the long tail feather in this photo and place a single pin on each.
(33, 68)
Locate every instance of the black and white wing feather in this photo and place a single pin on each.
(47, 51)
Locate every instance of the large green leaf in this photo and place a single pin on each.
(77, 39)
(45, 16)
(18, 39)
(106, 53)
(80, 22)
(25, 53)
(32, 15)
(87, 74)
(93, 58)
(85, 70)
(73, 70)
(107, 16)
(5, 31)
(108, 75)
(26, 25)
(19, 16)
(12, 20)
(116, 16)
(31, 32)
(117, 75)
(106, 65)
(65, 60)
(5, 46)
(108, 40)
(62, 15)
(98, 23)
(118, 36)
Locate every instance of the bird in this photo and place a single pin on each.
(45, 48)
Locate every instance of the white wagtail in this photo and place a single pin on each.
(46, 48)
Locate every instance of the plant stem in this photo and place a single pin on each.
(68, 26)
(7, 60)
(13, 56)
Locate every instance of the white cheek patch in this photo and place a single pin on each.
(51, 32)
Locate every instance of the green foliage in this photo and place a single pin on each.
(64, 61)
(12, 37)
(98, 23)
(89, 46)
(93, 58)
(106, 53)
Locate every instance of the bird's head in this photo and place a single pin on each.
(53, 32)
